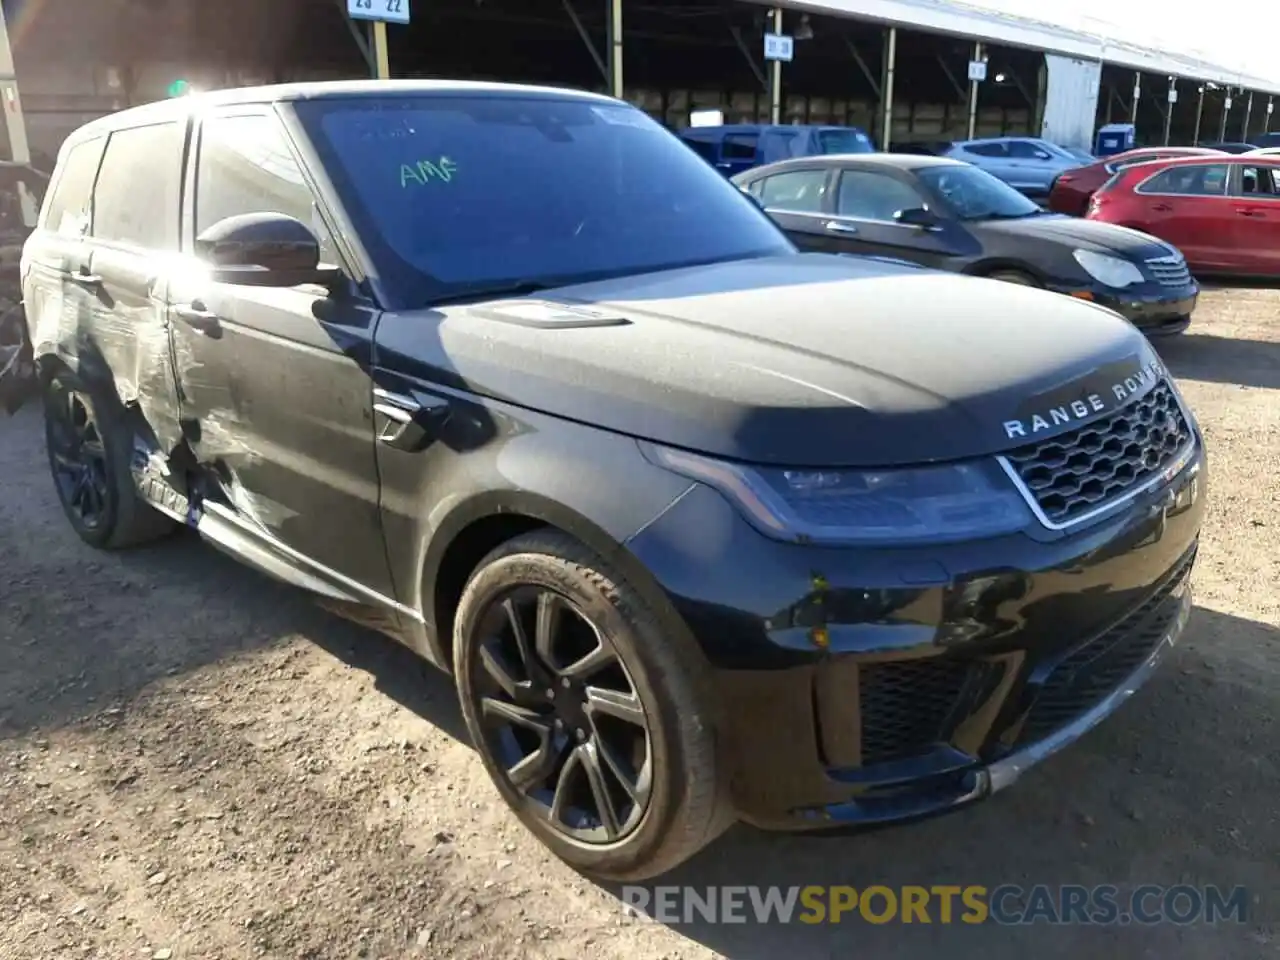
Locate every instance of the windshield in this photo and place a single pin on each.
(974, 194)
(459, 193)
(844, 140)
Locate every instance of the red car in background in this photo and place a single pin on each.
(1222, 212)
(1071, 191)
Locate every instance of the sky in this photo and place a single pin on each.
(1193, 28)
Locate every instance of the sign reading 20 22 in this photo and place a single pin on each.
(389, 11)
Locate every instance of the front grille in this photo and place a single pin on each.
(910, 706)
(1089, 674)
(1170, 271)
(1078, 471)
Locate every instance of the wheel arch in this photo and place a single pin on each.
(475, 528)
(984, 268)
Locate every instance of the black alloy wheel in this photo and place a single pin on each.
(561, 715)
(592, 708)
(78, 458)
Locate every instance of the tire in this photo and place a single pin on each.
(120, 518)
(686, 806)
(1014, 276)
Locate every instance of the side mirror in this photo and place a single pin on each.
(263, 250)
(917, 217)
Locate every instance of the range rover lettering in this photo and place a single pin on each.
(706, 529)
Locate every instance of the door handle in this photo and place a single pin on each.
(198, 318)
(83, 277)
(836, 226)
(1162, 208)
(1252, 213)
(407, 424)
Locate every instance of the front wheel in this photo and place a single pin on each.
(589, 717)
(1015, 276)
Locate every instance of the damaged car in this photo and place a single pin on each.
(706, 529)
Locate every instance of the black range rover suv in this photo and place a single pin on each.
(705, 528)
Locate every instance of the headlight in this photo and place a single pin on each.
(885, 507)
(1111, 271)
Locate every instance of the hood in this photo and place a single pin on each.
(803, 360)
(1083, 235)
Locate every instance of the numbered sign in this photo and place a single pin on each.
(778, 46)
(1228, 104)
(977, 70)
(1173, 95)
(388, 11)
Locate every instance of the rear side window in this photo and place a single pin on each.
(987, 149)
(739, 146)
(69, 208)
(1260, 181)
(246, 166)
(1203, 180)
(136, 199)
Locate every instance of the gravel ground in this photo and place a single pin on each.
(198, 762)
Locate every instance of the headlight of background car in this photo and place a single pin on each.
(886, 507)
(1108, 270)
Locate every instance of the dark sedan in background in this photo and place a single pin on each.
(949, 215)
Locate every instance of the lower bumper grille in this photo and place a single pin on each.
(1091, 672)
(909, 707)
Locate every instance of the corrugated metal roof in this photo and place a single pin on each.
(962, 20)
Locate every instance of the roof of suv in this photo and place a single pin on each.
(316, 90)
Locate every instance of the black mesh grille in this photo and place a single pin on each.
(908, 706)
(1085, 468)
(1090, 673)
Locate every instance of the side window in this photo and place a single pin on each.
(987, 149)
(874, 196)
(1026, 150)
(707, 151)
(739, 146)
(67, 211)
(799, 190)
(1259, 181)
(1202, 180)
(136, 197)
(245, 166)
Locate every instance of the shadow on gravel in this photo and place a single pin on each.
(94, 630)
(1200, 356)
(1175, 786)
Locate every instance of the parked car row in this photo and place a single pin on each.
(950, 215)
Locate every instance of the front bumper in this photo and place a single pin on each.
(860, 687)
(1154, 309)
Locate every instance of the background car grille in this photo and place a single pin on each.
(1170, 271)
(1090, 673)
(909, 706)
(1087, 467)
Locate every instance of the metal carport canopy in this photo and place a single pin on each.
(973, 23)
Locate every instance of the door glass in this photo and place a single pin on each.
(739, 146)
(874, 196)
(1024, 150)
(1202, 180)
(67, 211)
(988, 149)
(1259, 181)
(799, 190)
(136, 197)
(246, 166)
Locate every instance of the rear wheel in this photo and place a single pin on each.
(89, 458)
(589, 717)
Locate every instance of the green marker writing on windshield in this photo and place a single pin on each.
(424, 171)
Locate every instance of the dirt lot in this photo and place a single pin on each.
(197, 762)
